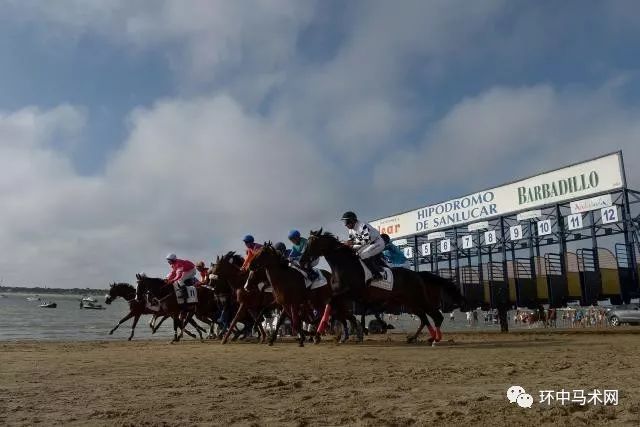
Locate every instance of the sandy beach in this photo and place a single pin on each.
(380, 382)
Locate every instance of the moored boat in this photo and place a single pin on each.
(49, 305)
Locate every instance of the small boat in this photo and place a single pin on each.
(91, 306)
(89, 299)
(33, 299)
(49, 305)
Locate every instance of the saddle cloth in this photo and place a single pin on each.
(192, 294)
(385, 283)
(318, 283)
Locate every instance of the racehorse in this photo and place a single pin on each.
(136, 308)
(409, 292)
(251, 302)
(291, 293)
(165, 294)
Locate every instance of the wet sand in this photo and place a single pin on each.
(380, 382)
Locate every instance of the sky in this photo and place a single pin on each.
(131, 129)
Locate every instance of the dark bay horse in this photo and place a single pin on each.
(165, 294)
(252, 303)
(409, 291)
(136, 308)
(291, 294)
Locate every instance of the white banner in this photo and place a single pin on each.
(578, 181)
(592, 204)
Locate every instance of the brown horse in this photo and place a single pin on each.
(164, 293)
(409, 291)
(136, 308)
(252, 302)
(290, 292)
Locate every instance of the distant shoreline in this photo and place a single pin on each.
(47, 291)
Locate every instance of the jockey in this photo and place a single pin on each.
(204, 272)
(252, 249)
(392, 254)
(366, 241)
(183, 272)
(299, 244)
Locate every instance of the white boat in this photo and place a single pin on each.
(89, 299)
(33, 299)
(87, 305)
(49, 305)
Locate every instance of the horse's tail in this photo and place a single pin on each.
(446, 286)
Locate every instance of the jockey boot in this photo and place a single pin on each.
(185, 296)
(373, 267)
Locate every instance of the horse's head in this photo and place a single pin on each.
(226, 266)
(122, 290)
(318, 244)
(266, 256)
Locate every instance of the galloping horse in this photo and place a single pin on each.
(291, 293)
(165, 294)
(136, 308)
(251, 302)
(409, 291)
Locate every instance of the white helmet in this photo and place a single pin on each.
(171, 257)
(143, 274)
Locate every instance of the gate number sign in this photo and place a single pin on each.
(445, 245)
(467, 242)
(574, 222)
(544, 227)
(426, 249)
(490, 237)
(609, 214)
(515, 232)
(408, 252)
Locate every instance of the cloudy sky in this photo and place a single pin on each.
(129, 128)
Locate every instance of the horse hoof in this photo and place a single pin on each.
(317, 339)
(301, 344)
(411, 340)
(433, 344)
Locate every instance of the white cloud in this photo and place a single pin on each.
(193, 177)
(505, 133)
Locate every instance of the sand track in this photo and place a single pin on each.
(379, 382)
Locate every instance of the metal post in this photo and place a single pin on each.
(416, 258)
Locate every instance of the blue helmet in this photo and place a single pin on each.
(294, 234)
(248, 238)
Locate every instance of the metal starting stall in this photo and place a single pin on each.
(570, 235)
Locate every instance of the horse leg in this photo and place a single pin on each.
(424, 321)
(192, 322)
(345, 330)
(355, 326)
(156, 327)
(133, 327)
(365, 330)
(239, 313)
(124, 319)
(279, 323)
(152, 322)
(438, 318)
(295, 325)
(175, 329)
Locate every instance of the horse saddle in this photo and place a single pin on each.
(318, 283)
(385, 283)
(192, 294)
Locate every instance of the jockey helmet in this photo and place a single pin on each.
(349, 216)
(294, 234)
(248, 238)
(172, 257)
(143, 274)
(386, 238)
(200, 264)
(280, 247)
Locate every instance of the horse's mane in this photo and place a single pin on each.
(122, 285)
